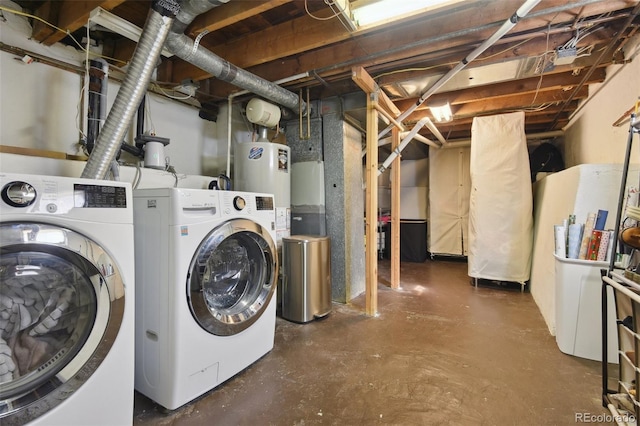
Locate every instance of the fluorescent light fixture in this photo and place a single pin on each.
(372, 12)
(118, 25)
(343, 13)
(441, 113)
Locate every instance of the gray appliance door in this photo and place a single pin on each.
(61, 307)
(232, 277)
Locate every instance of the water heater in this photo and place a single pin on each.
(264, 167)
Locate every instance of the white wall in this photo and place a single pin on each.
(414, 189)
(40, 104)
(590, 136)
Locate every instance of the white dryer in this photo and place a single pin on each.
(67, 301)
(206, 270)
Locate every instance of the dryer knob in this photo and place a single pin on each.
(239, 203)
(18, 194)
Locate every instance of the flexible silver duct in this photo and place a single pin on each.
(134, 86)
(188, 50)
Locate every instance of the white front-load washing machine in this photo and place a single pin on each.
(66, 301)
(206, 271)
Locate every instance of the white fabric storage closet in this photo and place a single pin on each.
(501, 201)
(449, 186)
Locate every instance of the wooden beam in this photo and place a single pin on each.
(395, 212)
(34, 152)
(271, 44)
(230, 13)
(371, 208)
(391, 40)
(398, 125)
(69, 15)
(48, 12)
(360, 76)
(365, 82)
(550, 82)
(517, 101)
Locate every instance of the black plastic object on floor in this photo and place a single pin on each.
(413, 240)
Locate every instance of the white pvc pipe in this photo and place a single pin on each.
(432, 127)
(506, 26)
(419, 125)
(427, 141)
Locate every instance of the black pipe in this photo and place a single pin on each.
(96, 91)
(133, 150)
(140, 123)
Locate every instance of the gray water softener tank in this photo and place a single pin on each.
(306, 277)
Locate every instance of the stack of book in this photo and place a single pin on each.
(588, 241)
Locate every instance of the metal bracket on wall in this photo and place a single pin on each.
(307, 136)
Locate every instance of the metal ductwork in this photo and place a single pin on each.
(191, 51)
(134, 87)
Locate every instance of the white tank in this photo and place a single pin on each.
(263, 113)
(264, 167)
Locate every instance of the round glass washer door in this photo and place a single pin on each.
(232, 277)
(61, 307)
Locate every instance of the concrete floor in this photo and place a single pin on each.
(440, 352)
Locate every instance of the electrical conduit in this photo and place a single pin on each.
(505, 28)
(419, 125)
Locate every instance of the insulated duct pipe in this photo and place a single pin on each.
(133, 88)
(188, 50)
(419, 125)
(506, 26)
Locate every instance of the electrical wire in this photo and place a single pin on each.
(67, 32)
(147, 108)
(544, 56)
(451, 63)
(164, 92)
(505, 50)
(83, 92)
(384, 74)
(318, 18)
(37, 18)
(137, 177)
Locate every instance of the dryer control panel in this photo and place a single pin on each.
(95, 200)
(236, 203)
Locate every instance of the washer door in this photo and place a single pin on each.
(232, 277)
(61, 306)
